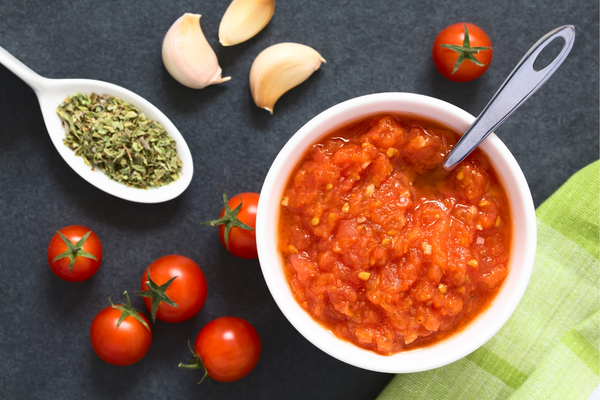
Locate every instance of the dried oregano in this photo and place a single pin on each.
(111, 134)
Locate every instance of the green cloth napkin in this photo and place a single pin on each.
(549, 348)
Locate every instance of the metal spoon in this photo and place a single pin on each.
(52, 92)
(522, 82)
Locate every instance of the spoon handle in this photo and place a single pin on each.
(22, 71)
(522, 82)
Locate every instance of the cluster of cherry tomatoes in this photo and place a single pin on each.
(173, 289)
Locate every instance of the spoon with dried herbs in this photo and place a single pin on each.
(110, 136)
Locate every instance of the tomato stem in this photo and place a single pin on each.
(127, 311)
(74, 250)
(229, 219)
(157, 294)
(465, 51)
(196, 363)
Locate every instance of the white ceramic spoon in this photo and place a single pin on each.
(52, 92)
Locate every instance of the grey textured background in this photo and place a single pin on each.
(370, 46)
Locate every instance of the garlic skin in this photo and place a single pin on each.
(244, 19)
(278, 69)
(187, 55)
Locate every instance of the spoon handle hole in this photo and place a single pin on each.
(549, 53)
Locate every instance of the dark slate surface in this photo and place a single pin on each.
(370, 46)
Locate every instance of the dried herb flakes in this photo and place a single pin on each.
(111, 134)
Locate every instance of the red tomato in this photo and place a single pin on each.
(227, 348)
(76, 255)
(242, 242)
(462, 52)
(121, 343)
(173, 288)
(236, 228)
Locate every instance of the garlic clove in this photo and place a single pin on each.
(244, 19)
(278, 69)
(187, 55)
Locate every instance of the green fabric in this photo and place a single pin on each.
(550, 347)
(573, 215)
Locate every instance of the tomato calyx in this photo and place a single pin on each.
(196, 363)
(128, 311)
(229, 219)
(74, 250)
(157, 294)
(465, 51)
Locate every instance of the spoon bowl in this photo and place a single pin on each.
(52, 92)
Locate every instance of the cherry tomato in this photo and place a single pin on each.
(121, 335)
(173, 288)
(227, 349)
(74, 253)
(237, 223)
(462, 52)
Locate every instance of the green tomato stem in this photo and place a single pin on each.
(465, 51)
(229, 219)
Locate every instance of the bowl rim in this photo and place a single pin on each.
(482, 328)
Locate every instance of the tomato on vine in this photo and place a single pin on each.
(237, 223)
(74, 253)
(173, 288)
(462, 52)
(226, 349)
(121, 335)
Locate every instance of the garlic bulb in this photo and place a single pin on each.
(187, 55)
(244, 19)
(278, 69)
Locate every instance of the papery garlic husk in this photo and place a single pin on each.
(187, 55)
(244, 19)
(278, 69)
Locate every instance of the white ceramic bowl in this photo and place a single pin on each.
(481, 329)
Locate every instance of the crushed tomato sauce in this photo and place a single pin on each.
(380, 253)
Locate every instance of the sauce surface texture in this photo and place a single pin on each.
(379, 249)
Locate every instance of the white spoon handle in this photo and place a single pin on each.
(37, 82)
(523, 81)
